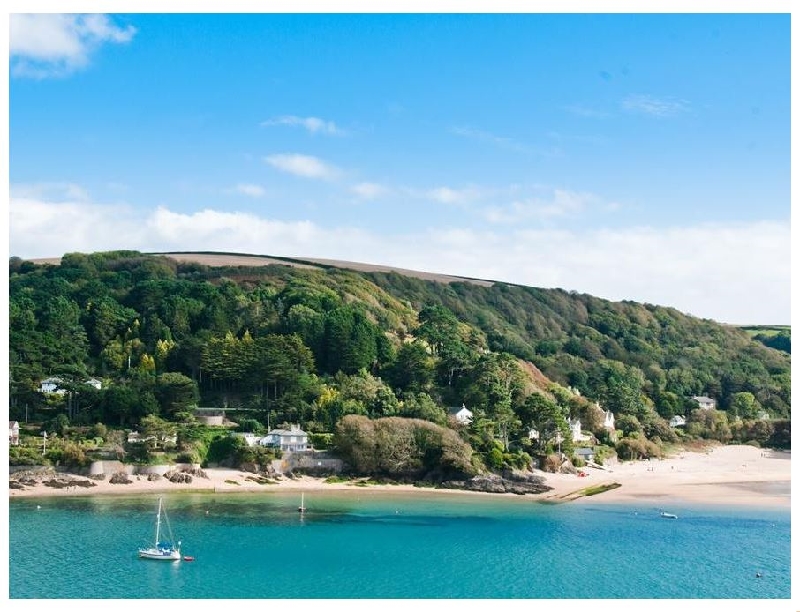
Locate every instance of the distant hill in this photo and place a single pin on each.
(775, 336)
(241, 259)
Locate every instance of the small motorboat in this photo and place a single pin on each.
(188, 558)
(668, 515)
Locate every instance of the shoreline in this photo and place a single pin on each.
(737, 475)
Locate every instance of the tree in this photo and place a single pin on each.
(422, 406)
(399, 447)
(355, 442)
(375, 395)
(744, 404)
(175, 393)
(350, 340)
(544, 415)
(126, 404)
(627, 424)
(413, 368)
(158, 429)
(618, 387)
(709, 423)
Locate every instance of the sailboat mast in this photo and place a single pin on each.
(158, 522)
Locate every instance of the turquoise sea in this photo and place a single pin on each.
(370, 544)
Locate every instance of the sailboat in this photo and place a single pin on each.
(166, 550)
(302, 507)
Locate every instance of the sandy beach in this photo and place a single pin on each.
(725, 475)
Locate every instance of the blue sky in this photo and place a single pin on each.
(641, 157)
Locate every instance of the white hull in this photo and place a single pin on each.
(162, 550)
(160, 555)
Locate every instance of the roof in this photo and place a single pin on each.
(584, 451)
(702, 398)
(287, 432)
(457, 409)
(13, 424)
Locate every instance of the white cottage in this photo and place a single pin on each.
(93, 382)
(577, 434)
(248, 436)
(707, 403)
(13, 433)
(51, 385)
(293, 439)
(677, 421)
(462, 414)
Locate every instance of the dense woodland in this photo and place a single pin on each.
(312, 346)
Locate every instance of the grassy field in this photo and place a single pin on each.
(766, 330)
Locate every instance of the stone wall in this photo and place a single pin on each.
(309, 462)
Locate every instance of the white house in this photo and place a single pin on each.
(577, 434)
(587, 454)
(51, 385)
(462, 414)
(293, 439)
(704, 402)
(93, 382)
(13, 433)
(249, 437)
(677, 421)
(608, 419)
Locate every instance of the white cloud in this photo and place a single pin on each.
(733, 273)
(39, 227)
(302, 165)
(562, 203)
(649, 105)
(448, 195)
(44, 45)
(249, 189)
(313, 125)
(369, 191)
(51, 191)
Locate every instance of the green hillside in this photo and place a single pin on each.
(313, 344)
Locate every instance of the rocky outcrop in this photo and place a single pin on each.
(184, 475)
(66, 483)
(195, 472)
(153, 477)
(120, 478)
(519, 483)
(178, 477)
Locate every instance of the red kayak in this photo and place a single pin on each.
(188, 558)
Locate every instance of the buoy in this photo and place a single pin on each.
(38, 507)
(758, 574)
